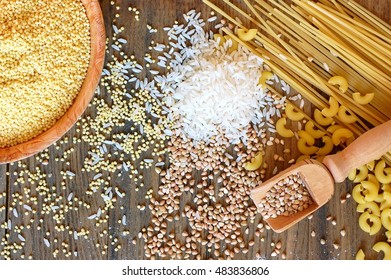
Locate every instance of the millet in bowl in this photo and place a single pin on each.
(45, 54)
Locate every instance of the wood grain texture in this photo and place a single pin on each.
(3, 197)
(102, 241)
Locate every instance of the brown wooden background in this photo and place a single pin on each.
(297, 243)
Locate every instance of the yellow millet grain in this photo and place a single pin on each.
(44, 56)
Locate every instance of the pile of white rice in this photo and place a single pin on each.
(214, 92)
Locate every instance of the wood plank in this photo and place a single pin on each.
(3, 207)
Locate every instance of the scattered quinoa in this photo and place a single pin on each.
(44, 55)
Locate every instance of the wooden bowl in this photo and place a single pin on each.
(42, 141)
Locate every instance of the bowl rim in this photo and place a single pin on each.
(81, 101)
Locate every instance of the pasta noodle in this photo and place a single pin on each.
(344, 116)
(322, 120)
(386, 187)
(282, 130)
(255, 163)
(327, 147)
(333, 128)
(316, 133)
(370, 207)
(370, 190)
(388, 235)
(380, 172)
(372, 178)
(352, 174)
(385, 248)
(292, 114)
(361, 175)
(360, 255)
(372, 228)
(357, 194)
(385, 201)
(306, 149)
(341, 135)
(309, 139)
(341, 82)
(371, 165)
(386, 218)
(363, 99)
(332, 110)
(247, 35)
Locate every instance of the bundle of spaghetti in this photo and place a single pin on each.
(306, 43)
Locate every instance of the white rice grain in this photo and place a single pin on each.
(47, 243)
(21, 238)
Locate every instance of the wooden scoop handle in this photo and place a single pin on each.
(369, 146)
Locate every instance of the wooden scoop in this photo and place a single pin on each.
(319, 178)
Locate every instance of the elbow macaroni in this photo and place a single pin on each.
(316, 133)
(333, 109)
(333, 128)
(371, 207)
(386, 218)
(320, 119)
(363, 99)
(292, 114)
(341, 82)
(380, 171)
(379, 198)
(309, 139)
(360, 255)
(305, 149)
(374, 201)
(388, 235)
(327, 147)
(357, 194)
(282, 130)
(361, 175)
(306, 143)
(352, 174)
(370, 190)
(386, 200)
(371, 165)
(372, 178)
(341, 135)
(385, 248)
(386, 187)
(365, 226)
(255, 163)
(344, 116)
(246, 35)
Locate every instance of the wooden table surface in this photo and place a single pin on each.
(23, 218)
